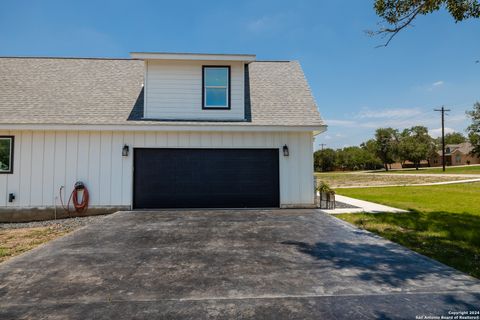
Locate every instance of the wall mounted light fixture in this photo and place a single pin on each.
(125, 151)
(285, 151)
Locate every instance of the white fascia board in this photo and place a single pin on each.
(192, 56)
(92, 127)
(322, 129)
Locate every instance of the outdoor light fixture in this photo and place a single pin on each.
(125, 151)
(285, 151)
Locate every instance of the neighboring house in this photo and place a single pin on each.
(160, 130)
(455, 155)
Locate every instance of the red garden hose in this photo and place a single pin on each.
(80, 207)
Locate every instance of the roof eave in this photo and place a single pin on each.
(316, 129)
(192, 56)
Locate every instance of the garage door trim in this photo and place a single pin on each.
(275, 157)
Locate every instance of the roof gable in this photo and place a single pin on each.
(110, 91)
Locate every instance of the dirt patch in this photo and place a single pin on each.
(16, 238)
(336, 180)
(16, 241)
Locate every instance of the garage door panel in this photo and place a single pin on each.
(195, 178)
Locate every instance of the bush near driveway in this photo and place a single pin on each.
(443, 223)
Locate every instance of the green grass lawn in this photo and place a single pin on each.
(473, 169)
(444, 222)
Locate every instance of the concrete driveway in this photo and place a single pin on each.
(228, 264)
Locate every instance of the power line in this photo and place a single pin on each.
(443, 110)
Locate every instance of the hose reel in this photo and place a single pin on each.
(79, 198)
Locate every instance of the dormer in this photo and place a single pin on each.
(188, 86)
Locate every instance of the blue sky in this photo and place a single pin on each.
(357, 87)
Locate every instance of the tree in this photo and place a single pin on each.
(350, 158)
(372, 162)
(415, 145)
(370, 146)
(474, 129)
(342, 160)
(403, 147)
(324, 160)
(454, 138)
(386, 143)
(356, 158)
(398, 14)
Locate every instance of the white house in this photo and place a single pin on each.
(160, 130)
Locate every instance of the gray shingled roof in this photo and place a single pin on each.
(109, 91)
(464, 148)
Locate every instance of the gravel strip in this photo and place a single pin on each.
(67, 224)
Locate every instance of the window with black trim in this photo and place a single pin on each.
(216, 87)
(6, 154)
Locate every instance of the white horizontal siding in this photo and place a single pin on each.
(173, 90)
(46, 160)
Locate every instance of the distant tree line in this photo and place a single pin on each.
(389, 146)
(474, 128)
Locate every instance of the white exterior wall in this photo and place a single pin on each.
(46, 160)
(173, 90)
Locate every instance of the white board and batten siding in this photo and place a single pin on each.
(173, 90)
(46, 160)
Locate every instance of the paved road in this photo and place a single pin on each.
(228, 264)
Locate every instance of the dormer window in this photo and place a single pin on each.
(216, 87)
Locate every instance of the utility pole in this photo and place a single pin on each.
(322, 145)
(443, 110)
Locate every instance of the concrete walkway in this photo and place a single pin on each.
(362, 206)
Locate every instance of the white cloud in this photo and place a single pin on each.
(265, 23)
(456, 118)
(435, 133)
(340, 123)
(385, 117)
(434, 86)
(388, 113)
(360, 126)
(395, 123)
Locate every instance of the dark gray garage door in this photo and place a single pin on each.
(205, 178)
